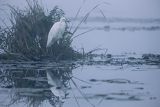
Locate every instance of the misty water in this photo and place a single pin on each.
(123, 79)
(100, 81)
(120, 35)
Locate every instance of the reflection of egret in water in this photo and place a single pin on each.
(57, 87)
(35, 84)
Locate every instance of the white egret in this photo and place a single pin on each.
(56, 32)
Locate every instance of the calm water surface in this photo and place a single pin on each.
(72, 84)
(120, 36)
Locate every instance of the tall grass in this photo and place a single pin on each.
(29, 31)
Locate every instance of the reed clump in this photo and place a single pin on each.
(29, 31)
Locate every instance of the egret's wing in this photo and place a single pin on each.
(53, 33)
(56, 33)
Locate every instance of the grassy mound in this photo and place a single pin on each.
(29, 31)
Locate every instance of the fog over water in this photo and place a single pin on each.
(119, 79)
(123, 36)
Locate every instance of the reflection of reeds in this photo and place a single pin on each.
(29, 85)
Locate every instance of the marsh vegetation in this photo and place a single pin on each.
(32, 75)
(29, 30)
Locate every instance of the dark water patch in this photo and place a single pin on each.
(116, 81)
(153, 98)
(85, 87)
(120, 93)
(131, 98)
(136, 28)
(93, 80)
(139, 88)
(121, 96)
(100, 95)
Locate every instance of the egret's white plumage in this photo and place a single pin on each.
(56, 32)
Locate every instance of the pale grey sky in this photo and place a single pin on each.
(117, 8)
